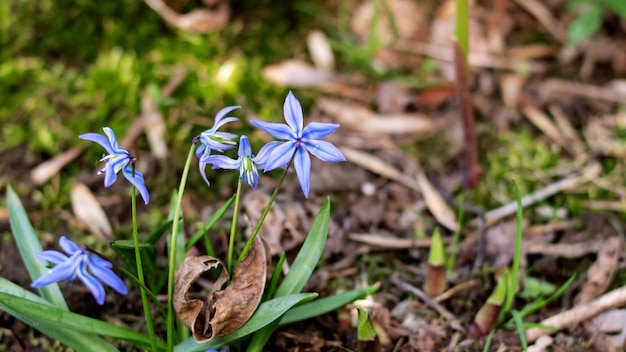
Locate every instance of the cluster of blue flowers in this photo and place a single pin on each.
(293, 145)
(296, 142)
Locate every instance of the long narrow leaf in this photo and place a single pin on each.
(326, 304)
(308, 256)
(219, 213)
(266, 313)
(74, 339)
(28, 245)
(300, 272)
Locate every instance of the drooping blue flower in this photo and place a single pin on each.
(297, 141)
(87, 267)
(118, 159)
(247, 164)
(211, 139)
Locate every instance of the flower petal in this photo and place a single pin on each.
(112, 139)
(264, 154)
(63, 271)
(137, 181)
(94, 286)
(280, 156)
(220, 115)
(244, 146)
(100, 139)
(221, 162)
(203, 173)
(302, 164)
(110, 176)
(293, 113)
(107, 276)
(324, 150)
(68, 246)
(54, 257)
(317, 130)
(276, 130)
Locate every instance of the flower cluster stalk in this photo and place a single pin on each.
(266, 211)
(172, 255)
(144, 296)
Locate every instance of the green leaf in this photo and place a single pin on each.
(519, 324)
(584, 26)
(28, 245)
(125, 249)
(209, 223)
(437, 254)
(266, 313)
(301, 269)
(617, 6)
(365, 328)
(308, 256)
(326, 304)
(34, 311)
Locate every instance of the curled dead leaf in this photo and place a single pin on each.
(223, 311)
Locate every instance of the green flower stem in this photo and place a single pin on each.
(144, 296)
(233, 227)
(257, 227)
(172, 256)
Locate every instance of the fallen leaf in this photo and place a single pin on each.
(87, 209)
(154, 125)
(296, 73)
(195, 21)
(224, 311)
(435, 202)
(613, 324)
(320, 51)
(601, 273)
(44, 171)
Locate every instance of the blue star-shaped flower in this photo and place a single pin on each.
(247, 163)
(297, 141)
(118, 159)
(89, 269)
(211, 139)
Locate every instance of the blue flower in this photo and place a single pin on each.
(77, 264)
(297, 141)
(247, 163)
(211, 139)
(118, 159)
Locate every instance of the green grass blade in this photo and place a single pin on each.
(266, 313)
(326, 304)
(517, 255)
(74, 339)
(519, 324)
(28, 245)
(308, 256)
(209, 223)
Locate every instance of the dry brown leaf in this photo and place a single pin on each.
(195, 21)
(363, 120)
(154, 125)
(296, 73)
(600, 274)
(320, 51)
(44, 171)
(280, 230)
(87, 209)
(435, 202)
(578, 313)
(613, 324)
(224, 311)
(543, 15)
(549, 128)
(378, 166)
